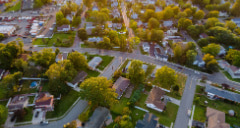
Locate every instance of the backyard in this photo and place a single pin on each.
(220, 105)
(58, 40)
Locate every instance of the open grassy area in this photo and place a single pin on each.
(15, 7)
(181, 80)
(58, 40)
(106, 61)
(26, 88)
(61, 106)
(200, 113)
(229, 76)
(118, 108)
(137, 115)
(220, 105)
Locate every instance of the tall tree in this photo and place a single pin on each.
(78, 60)
(166, 77)
(44, 58)
(235, 9)
(135, 71)
(210, 62)
(191, 55)
(153, 23)
(82, 34)
(98, 91)
(230, 25)
(212, 49)
(3, 114)
(199, 15)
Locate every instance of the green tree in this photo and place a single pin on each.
(148, 14)
(184, 23)
(189, 12)
(166, 77)
(199, 15)
(211, 22)
(37, 4)
(11, 80)
(82, 34)
(212, 49)
(157, 35)
(213, 14)
(59, 18)
(178, 53)
(230, 25)
(78, 60)
(133, 25)
(233, 57)
(191, 55)
(125, 122)
(235, 9)
(210, 62)
(122, 42)
(3, 114)
(20, 64)
(153, 23)
(98, 91)
(44, 58)
(76, 21)
(135, 71)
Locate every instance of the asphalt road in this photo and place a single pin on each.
(186, 103)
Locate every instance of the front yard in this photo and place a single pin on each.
(58, 40)
(224, 106)
(229, 76)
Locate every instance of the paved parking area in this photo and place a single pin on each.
(37, 118)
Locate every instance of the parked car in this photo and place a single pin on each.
(45, 122)
(37, 113)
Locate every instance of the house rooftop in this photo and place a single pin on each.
(44, 99)
(216, 119)
(223, 93)
(62, 27)
(120, 85)
(155, 97)
(17, 102)
(95, 62)
(149, 121)
(80, 77)
(167, 23)
(98, 117)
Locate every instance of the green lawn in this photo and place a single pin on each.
(31, 98)
(137, 115)
(91, 73)
(200, 113)
(106, 61)
(220, 105)
(118, 108)
(16, 7)
(61, 106)
(28, 116)
(54, 40)
(26, 88)
(229, 76)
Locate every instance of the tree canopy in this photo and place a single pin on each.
(165, 77)
(135, 71)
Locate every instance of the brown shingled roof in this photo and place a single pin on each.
(44, 98)
(216, 119)
(121, 85)
(155, 97)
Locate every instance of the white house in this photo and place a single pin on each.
(154, 100)
(145, 46)
(63, 28)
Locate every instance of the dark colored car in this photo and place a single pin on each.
(37, 113)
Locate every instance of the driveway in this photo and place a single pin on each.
(38, 116)
(173, 100)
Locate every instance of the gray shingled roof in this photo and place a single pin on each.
(149, 121)
(223, 93)
(95, 62)
(98, 117)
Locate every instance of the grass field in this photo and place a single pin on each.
(229, 76)
(54, 40)
(61, 106)
(16, 7)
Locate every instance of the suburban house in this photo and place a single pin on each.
(65, 55)
(149, 121)
(214, 92)
(63, 28)
(121, 85)
(18, 102)
(78, 79)
(231, 69)
(44, 101)
(168, 23)
(145, 46)
(172, 31)
(160, 53)
(94, 63)
(154, 100)
(134, 16)
(216, 119)
(117, 25)
(59, 57)
(199, 62)
(95, 39)
(116, 13)
(236, 21)
(89, 27)
(98, 118)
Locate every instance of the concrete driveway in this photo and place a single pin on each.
(38, 116)
(8, 123)
(173, 100)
